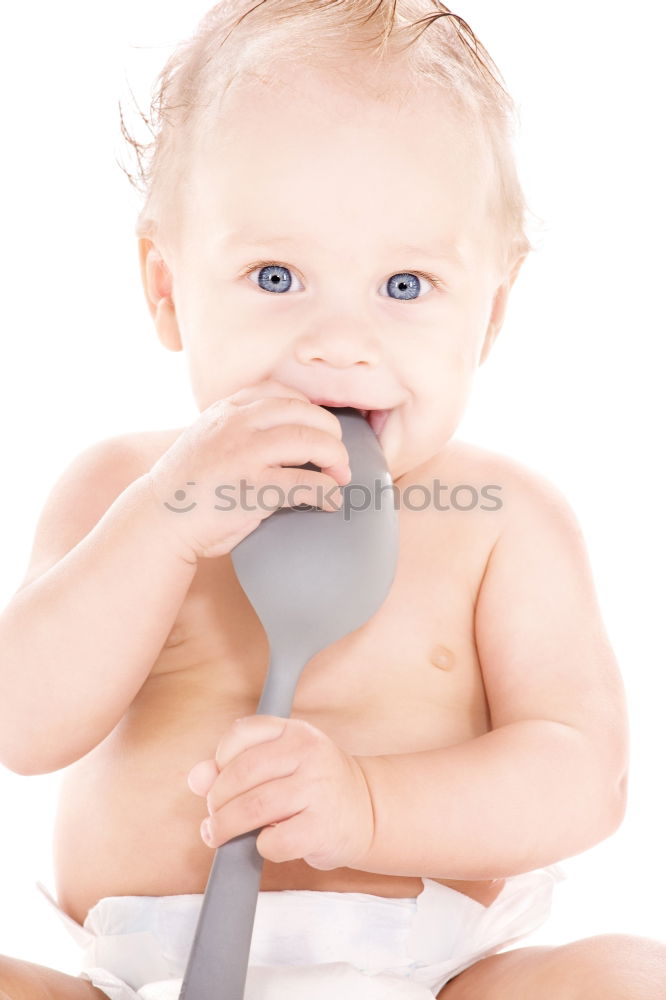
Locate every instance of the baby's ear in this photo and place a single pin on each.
(499, 307)
(157, 286)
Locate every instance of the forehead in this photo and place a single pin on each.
(338, 150)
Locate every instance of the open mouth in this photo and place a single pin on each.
(376, 418)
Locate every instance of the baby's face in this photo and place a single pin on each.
(340, 245)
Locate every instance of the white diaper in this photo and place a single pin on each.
(310, 945)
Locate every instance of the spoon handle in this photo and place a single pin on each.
(220, 952)
(282, 677)
(217, 966)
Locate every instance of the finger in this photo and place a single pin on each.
(248, 732)
(252, 768)
(270, 803)
(291, 839)
(270, 412)
(202, 777)
(266, 388)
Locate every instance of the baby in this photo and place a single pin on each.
(333, 218)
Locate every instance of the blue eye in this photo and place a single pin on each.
(276, 278)
(406, 285)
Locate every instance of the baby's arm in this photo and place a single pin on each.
(549, 780)
(80, 635)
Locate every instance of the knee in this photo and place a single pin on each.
(16, 983)
(617, 967)
(5, 977)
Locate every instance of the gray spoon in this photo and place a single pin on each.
(312, 576)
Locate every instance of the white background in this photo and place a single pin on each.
(572, 388)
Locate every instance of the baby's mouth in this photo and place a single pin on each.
(376, 418)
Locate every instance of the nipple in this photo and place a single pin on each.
(442, 657)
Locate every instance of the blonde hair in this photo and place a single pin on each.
(236, 37)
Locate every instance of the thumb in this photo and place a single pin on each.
(202, 776)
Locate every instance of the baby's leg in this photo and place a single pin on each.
(24, 981)
(612, 966)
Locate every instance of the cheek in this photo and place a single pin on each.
(223, 358)
(452, 365)
(462, 359)
(448, 387)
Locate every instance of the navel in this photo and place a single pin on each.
(442, 657)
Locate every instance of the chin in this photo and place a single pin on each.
(415, 455)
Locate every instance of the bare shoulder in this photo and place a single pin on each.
(86, 489)
(536, 545)
(490, 508)
(520, 490)
(465, 457)
(143, 448)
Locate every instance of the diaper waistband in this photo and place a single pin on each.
(148, 938)
(291, 927)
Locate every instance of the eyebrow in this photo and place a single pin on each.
(437, 251)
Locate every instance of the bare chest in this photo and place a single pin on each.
(408, 679)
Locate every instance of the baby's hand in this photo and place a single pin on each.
(253, 444)
(290, 778)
